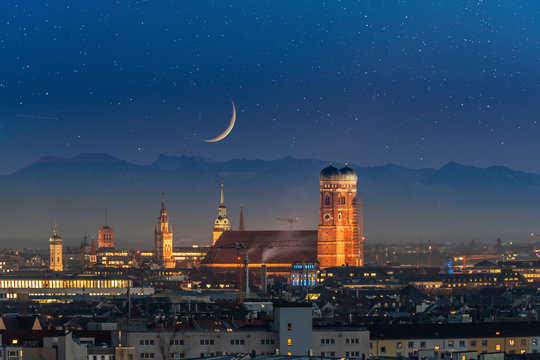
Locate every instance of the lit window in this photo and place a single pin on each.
(289, 342)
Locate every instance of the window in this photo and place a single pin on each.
(289, 326)
(484, 343)
(176, 342)
(534, 342)
(398, 345)
(410, 344)
(523, 342)
(383, 349)
(473, 343)
(422, 344)
(147, 355)
(327, 200)
(289, 342)
(511, 342)
(450, 343)
(262, 341)
(461, 343)
(498, 347)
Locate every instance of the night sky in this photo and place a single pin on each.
(416, 83)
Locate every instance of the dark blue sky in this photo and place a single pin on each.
(417, 83)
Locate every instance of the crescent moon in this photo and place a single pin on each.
(227, 130)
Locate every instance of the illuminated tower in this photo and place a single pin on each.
(222, 223)
(105, 235)
(163, 239)
(55, 247)
(340, 238)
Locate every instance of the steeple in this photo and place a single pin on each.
(163, 238)
(241, 226)
(222, 203)
(222, 209)
(221, 223)
(163, 211)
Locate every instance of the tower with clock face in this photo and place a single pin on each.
(55, 247)
(340, 238)
(163, 239)
(221, 223)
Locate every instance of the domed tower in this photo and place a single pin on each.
(340, 241)
(163, 239)
(55, 249)
(221, 223)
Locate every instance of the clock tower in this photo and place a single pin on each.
(221, 223)
(55, 251)
(340, 241)
(163, 239)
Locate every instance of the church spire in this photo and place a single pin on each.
(222, 203)
(163, 212)
(222, 223)
(241, 226)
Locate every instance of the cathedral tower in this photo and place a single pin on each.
(222, 223)
(340, 241)
(163, 239)
(105, 235)
(55, 247)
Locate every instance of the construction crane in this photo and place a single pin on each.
(466, 258)
(289, 220)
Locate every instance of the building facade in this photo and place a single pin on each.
(340, 238)
(221, 223)
(55, 251)
(163, 239)
(290, 333)
(106, 237)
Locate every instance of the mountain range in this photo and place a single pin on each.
(454, 203)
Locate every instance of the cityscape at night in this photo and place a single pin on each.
(269, 180)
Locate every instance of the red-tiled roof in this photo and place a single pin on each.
(268, 247)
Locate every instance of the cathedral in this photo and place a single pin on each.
(163, 239)
(340, 239)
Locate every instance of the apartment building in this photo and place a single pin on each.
(440, 341)
(291, 333)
